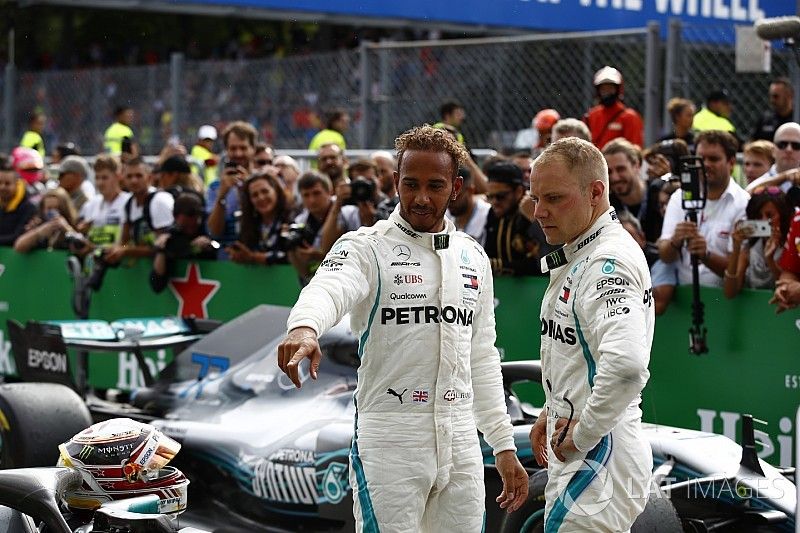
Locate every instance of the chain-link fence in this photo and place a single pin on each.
(389, 87)
(703, 61)
(501, 82)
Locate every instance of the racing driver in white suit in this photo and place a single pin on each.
(420, 299)
(596, 332)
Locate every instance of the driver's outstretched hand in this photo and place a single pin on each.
(299, 344)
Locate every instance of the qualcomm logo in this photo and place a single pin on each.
(598, 493)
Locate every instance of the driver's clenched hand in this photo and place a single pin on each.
(299, 344)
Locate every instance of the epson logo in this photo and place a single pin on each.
(50, 361)
(406, 230)
(426, 315)
(612, 281)
(554, 330)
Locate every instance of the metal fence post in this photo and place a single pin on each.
(9, 86)
(651, 92)
(383, 76)
(671, 64)
(364, 96)
(175, 84)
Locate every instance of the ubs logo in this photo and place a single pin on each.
(402, 252)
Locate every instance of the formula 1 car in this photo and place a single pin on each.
(264, 456)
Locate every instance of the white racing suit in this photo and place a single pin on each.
(421, 305)
(597, 329)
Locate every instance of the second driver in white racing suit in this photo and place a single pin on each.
(596, 327)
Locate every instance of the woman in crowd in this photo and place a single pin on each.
(53, 226)
(753, 263)
(264, 213)
(681, 111)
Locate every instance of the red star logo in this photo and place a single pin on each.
(193, 292)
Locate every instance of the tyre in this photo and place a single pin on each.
(34, 419)
(659, 515)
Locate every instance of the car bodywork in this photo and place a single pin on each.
(264, 456)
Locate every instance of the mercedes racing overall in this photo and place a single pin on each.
(421, 305)
(596, 329)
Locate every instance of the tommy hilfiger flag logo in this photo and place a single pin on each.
(472, 281)
(565, 296)
(419, 396)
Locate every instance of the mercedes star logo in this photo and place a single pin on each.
(402, 251)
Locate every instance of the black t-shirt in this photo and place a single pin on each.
(767, 124)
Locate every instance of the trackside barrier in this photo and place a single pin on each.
(752, 366)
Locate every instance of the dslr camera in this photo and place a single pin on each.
(296, 235)
(361, 190)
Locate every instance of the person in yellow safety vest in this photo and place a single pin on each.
(336, 123)
(453, 115)
(714, 115)
(202, 152)
(33, 137)
(119, 138)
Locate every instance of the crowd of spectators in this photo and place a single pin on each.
(251, 205)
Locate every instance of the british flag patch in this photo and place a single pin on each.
(419, 396)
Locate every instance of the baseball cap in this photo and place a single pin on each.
(718, 95)
(504, 172)
(28, 163)
(207, 132)
(175, 163)
(546, 119)
(74, 163)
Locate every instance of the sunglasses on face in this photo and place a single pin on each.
(263, 162)
(783, 145)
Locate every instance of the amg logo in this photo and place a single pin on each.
(553, 330)
(50, 361)
(426, 315)
(285, 483)
(406, 230)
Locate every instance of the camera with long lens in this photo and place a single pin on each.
(361, 190)
(296, 235)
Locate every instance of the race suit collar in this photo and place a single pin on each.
(564, 255)
(432, 241)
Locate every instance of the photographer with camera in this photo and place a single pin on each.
(355, 204)
(186, 239)
(709, 238)
(303, 239)
(222, 196)
(53, 227)
(758, 243)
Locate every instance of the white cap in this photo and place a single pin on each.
(207, 132)
(608, 75)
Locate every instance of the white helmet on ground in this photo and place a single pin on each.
(122, 458)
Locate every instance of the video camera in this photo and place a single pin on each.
(361, 190)
(694, 191)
